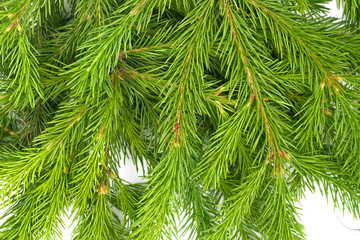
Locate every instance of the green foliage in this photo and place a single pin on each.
(351, 12)
(232, 108)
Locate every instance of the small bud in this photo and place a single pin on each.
(49, 146)
(19, 27)
(218, 92)
(322, 85)
(8, 29)
(119, 76)
(176, 144)
(111, 174)
(270, 157)
(249, 104)
(11, 15)
(327, 112)
(88, 70)
(103, 189)
(221, 110)
(100, 134)
(339, 79)
(253, 97)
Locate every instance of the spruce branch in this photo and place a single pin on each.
(231, 109)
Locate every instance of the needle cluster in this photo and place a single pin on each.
(231, 108)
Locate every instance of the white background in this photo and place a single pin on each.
(319, 218)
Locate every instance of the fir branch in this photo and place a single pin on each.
(231, 109)
(351, 12)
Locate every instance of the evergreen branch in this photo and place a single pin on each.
(200, 209)
(114, 41)
(125, 198)
(24, 69)
(96, 221)
(175, 173)
(231, 109)
(329, 79)
(279, 219)
(44, 220)
(239, 206)
(351, 12)
(47, 154)
(91, 164)
(330, 180)
(216, 156)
